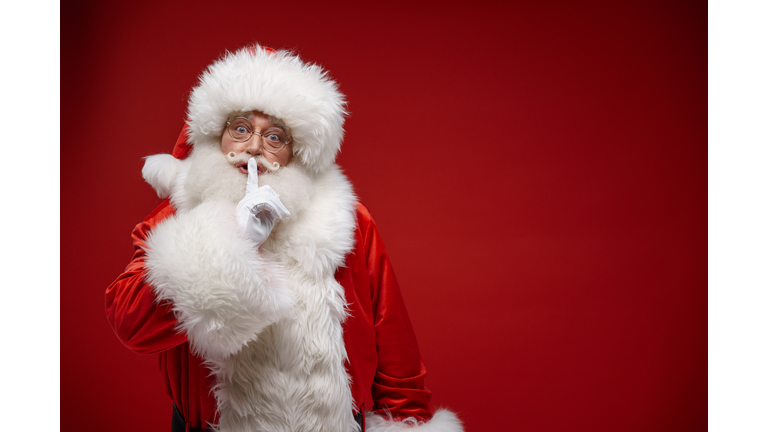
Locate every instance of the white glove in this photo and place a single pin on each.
(257, 212)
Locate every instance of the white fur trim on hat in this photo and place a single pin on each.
(278, 84)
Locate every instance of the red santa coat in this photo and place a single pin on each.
(382, 359)
(384, 362)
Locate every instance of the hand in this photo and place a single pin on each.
(257, 212)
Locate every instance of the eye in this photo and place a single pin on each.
(274, 136)
(240, 129)
(240, 125)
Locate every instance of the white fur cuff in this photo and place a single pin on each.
(442, 421)
(223, 293)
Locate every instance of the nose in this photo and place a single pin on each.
(254, 145)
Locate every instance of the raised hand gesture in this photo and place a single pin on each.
(259, 209)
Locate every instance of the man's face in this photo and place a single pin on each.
(255, 146)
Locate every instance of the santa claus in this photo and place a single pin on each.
(262, 282)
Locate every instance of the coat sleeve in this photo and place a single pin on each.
(141, 324)
(400, 397)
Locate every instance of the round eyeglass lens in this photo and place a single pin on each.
(274, 139)
(240, 129)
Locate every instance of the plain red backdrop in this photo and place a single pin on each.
(538, 171)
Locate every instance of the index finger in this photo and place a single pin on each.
(253, 176)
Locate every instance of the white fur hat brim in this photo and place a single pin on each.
(279, 84)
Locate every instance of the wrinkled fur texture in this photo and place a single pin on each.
(278, 84)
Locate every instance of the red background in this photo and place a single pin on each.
(538, 171)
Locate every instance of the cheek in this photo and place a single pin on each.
(286, 158)
(229, 146)
(279, 158)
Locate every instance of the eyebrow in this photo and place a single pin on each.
(273, 121)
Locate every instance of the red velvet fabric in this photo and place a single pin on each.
(384, 362)
(182, 148)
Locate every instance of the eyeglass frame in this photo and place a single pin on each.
(261, 134)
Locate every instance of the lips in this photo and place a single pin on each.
(243, 168)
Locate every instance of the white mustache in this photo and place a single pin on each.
(234, 158)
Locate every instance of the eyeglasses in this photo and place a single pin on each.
(241, 130)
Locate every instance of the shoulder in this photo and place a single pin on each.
(363, 214)
(369, 235)
(364, 218)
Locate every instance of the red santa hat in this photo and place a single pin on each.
(277, 83)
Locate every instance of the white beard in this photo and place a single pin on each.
(263, 385)
(211, 177)
(278, 366)
(294, 184)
